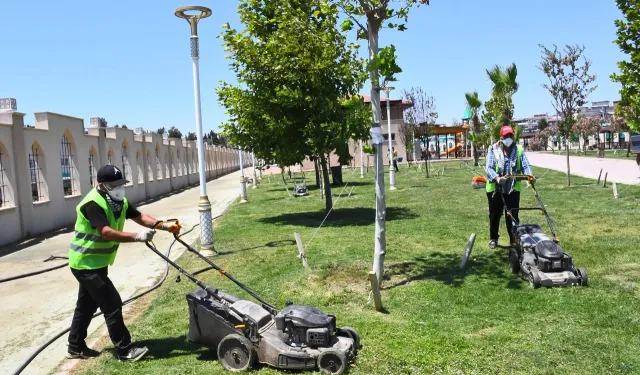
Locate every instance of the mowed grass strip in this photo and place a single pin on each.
(440, 320)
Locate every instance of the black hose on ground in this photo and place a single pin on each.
(17, 277)
(66, 330)
(54, 257)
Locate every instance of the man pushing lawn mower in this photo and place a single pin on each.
(504, 158)
(98, 232)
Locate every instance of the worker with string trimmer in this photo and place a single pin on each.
(504, 158)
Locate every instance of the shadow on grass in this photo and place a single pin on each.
(339, 217)
(170, 347)
(445, 268)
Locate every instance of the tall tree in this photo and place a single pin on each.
(474, 104)
(619, 124)
(503, 86)
(382, 62)
(421, 114)
(585, 127)
(161, 131)
(570, 84)
(191, 136)
(294, 70)
(542, 124)
(102, 122)
(628, 39)
(174, 132)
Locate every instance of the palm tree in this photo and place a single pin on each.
(474, 104)
(504, 86)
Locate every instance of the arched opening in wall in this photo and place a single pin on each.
(139, 165)
(178, 162)
(6, 189)
(93, 174)
(167, 164)
(158, 164)
(149, 168)
(70, 180)
(109, 156)
(37, 169)
(194, 161)
(126, 167)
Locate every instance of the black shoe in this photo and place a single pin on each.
(493, 244)
(133, 354)
(85, 353)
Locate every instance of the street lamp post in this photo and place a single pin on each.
(392, 171)
(255, 175)
(243, 182)
(204, 206)
(361, 159)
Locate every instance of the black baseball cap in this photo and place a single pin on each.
(111, 175)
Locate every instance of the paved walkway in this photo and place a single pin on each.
(34, 308)
(620, 171)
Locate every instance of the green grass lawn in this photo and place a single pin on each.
(608, 154)
(440, 320)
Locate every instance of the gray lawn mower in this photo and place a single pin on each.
(536, 257)
(298, 337)
(300, 187)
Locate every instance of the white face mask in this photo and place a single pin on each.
(117, 193)
(507, 142)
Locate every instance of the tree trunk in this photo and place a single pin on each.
(326, 184)
(380, 240)
(315, 166)
(568, 169)
(284, 181)
(476, 154)
(629, 145)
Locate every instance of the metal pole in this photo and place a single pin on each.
(204, 206)
(392, 171)
(361, 159)
(243, 182)
(255, 175)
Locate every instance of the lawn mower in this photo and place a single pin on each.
(300, 189)
(537, 257)
(298, 337)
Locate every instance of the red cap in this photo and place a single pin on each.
(506, 130)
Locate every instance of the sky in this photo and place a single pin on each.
(129, 61)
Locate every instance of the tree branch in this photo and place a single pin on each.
(339, 4)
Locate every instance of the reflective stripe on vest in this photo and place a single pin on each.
(88, 250)
(491, 185)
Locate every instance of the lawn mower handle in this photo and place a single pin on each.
(266, 305)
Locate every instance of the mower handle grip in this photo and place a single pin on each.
(519, 177)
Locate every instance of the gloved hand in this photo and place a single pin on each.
(532, 179)
(502, 181)
(145, 235)
(169, 226)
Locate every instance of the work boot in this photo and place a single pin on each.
(133, 354)
(493, 244)
(84, 353)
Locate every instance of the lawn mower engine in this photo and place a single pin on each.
(541, 261)
(298, 337)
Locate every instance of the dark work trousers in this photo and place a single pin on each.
(395, 165)
(496, 206)
(96, 290)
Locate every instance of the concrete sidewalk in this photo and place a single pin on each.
(35, 308)
(620, 171)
